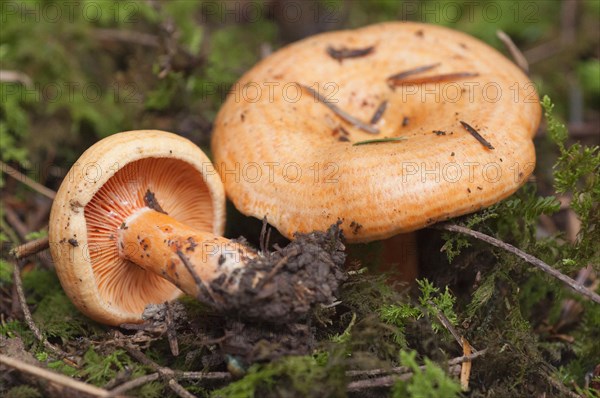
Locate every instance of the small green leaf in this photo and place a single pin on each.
(379, 141)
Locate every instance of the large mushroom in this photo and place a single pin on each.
(139, 219)
(389, 128)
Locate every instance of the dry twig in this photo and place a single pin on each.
(179, 390)
(404, 369)
(379, 112)
(446, 77)
(36, 186)
(18, 282)
(33, 247)
(410, 72)
(204, 293)
(446, 323)
(166, 374)
(561, 387)
(379, 382)
(277, 268)
(399, 373)
(131, 384)
(15, 222)
(465, 369)
(579, 288)
(171, 332)
(30, 248)
(514, 51)
(15, 76)
(343, 115)
(127, 36)
(67, 382)
(140, 381)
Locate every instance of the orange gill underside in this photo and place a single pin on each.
(180, 191)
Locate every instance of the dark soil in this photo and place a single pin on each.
(306, 272)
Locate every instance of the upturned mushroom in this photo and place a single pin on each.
(139, 219)
(389, 128)
(130, 204)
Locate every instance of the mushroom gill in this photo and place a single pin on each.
(180, 191)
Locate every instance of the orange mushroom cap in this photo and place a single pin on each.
(283, 154)
(109, 182)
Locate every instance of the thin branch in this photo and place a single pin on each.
(179, 390)
(119, 378)
(446, 77)
(579, 288)
(15, 76)
(543, 51)
(379, 112)
(476, 135)
(36, 186)
(263, 233)
(52, 377)
(131, 384)
(15, 222)
(466, 358)
(204, 291)
(514, 51)
(561, 387)
(277, 268)
(30, 248)
(379, 382)
(127, 36)
(410, 72)
(190, 268)
(446, 323)
(140, 357)
(404, 369)
(343, 52)
(171, 331)
(140, 381)
(220, 376)
(343, 115)
(166, 374)
(27, 314)
(465, 369)
(402, 373)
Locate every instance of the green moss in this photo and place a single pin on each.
(6, 271)
(434, 301)
(58, 317)
(99, 368)
(14, 328)
(150, 390)
(295, 375)
(398, 316)
(23, 392)
(576, 173)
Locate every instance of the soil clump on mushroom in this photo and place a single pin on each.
(275, 316)
(306, 272)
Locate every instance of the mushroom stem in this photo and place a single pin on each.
(160, 244)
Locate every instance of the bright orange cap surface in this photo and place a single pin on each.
(284, 154)
(106, 185)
